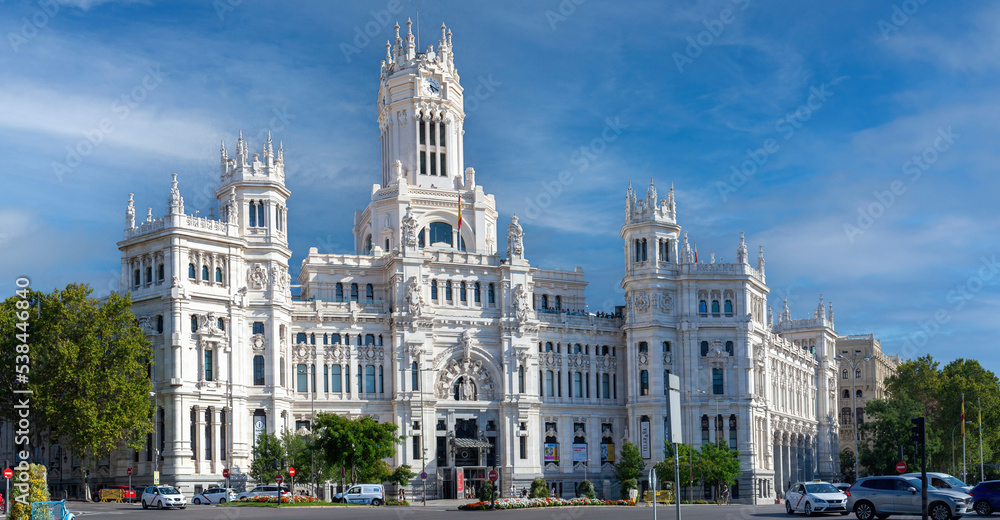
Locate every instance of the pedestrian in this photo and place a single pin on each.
(402, 495)
(725, 494)
(513, 491)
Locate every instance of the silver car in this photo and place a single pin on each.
(881, 496)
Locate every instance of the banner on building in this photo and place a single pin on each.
(552, 453)
(579, 453)
(607, 453)
(644, 439)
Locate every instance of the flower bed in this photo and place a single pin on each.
(522, 503)
(271, 499)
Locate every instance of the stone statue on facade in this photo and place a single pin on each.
(520, 303)
(409, 228)
(515, 236)
(413, 298)
(130, 213)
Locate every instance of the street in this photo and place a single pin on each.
(434, 510)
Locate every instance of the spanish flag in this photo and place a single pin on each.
(696, 252)
(459, 211)
(963, 415)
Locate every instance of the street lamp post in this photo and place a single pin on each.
(156, 455)
(312, 430)
(853, 362)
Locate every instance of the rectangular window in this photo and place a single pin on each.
(444, 165)
(208, 435)
(442, 451)
(159, 272)
(370, 379)
(423, 132)
(302, 384)
(577, 384)
(423, 162)
(462, 290)
(606, 386)
(492, 294)
(447, 291)
(520, 379)
(193, 432)
(433, 136)
(477, 296)
(326, 377)
(335, 379)
(524, 447)
(417, 452)
(549, 384)
(258, 370)
(442, 140)
(434, 289)
(434, 163)
(209, 372)
(717, 381)
(559, 383)
(414, 377)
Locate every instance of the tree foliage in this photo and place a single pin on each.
(630, 465)
(720, 464)
(359, 445)
(267, 454)
(690, 465)
(889, 429)
(847, 466)
(88, 370)
(586, 489)
(539, 489)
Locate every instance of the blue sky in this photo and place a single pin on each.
(854, 140)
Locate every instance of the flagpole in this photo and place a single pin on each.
(982, 474)
(965, 477)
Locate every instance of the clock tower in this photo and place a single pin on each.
(420, 113)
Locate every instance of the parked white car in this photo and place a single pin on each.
(267, 489)
(373, 494)
(942, 481)
(214, 496)
(163, 496)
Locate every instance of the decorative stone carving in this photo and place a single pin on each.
(146, 323)
(474, 380)
(232, 209)
(257, 341)
(257, 277)
(667, 359)
(130, 213)
(466, 343)
(521, 303)
(641, 301)
(409, 228)
(413, 298)
(643, 359)
(665, 302)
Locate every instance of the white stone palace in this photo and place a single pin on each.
(440, 324)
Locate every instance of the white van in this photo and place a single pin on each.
(373, 494)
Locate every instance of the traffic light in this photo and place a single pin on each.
(917, 430)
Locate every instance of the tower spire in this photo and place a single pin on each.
(760, 261)
(410, 44)
(741, 251)
(785, 314)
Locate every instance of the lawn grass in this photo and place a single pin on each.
(275, 504)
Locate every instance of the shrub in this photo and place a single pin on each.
(586, 489)
(628, 485)
(38, 491)
(486, 490)
(539, 489)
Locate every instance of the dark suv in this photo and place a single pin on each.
(986, 497)
(881, 496)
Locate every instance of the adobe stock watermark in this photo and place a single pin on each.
(581, 159)
(913, 169)
(484, 89)
(900, 15)
(121, 108)
(713, 30)
(956, 298)
(566, 9)
(364, 34)
(31, 26)
(787, 126)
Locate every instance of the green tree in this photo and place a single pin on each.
(360, 445)
(888, 429)
(586, 489)
(630, 464)
(399, 476)
(38, 491)
(690, 466)
(89, 363)
(847, 466)
(266, 451)
(720, 464)
(979, 386)
(486, 492)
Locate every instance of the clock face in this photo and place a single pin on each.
(432, 87)
(260, 425)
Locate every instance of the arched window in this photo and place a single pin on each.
(729, 347)
(666, 347)
(477, 295)
(434, 289)
(369, 339)
(548, 346)
(339, 292)
(368, 244)
(204, 272)
(191, 271)
(253, 213)
(715, 306)
(354, 292)
(857, 373)
(441, 233)
(218, 274)
(732, 431)
(728, 306)
(845, 373)
(149, 274)
(335, 339)
(260, 214)
(545, 298)
(312, 338)
(491, 293)
(847, 394)
(159, 324)
(258, 370)
(136, 282)
(704, 429)
(704, 348)
(462, 292)
(447, 290)
(370, 292)
(420, 237)
(370, 379)
(858, 394)
(194, 323)
(160, 272)
(300, 337)
(644, 382)
(643, 346)
(702, 307)
(577, 348)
